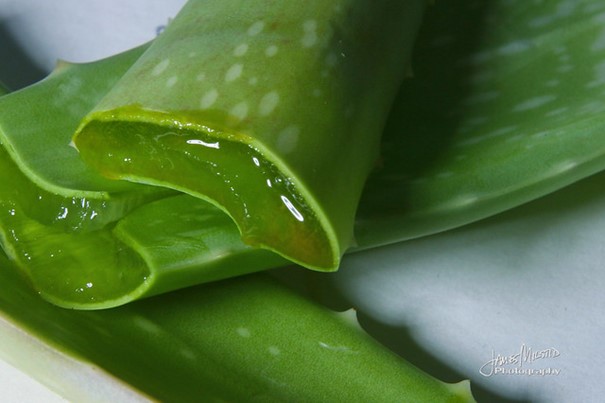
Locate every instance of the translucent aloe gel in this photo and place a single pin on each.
(121, 258)
(55, 212)
(260, 110)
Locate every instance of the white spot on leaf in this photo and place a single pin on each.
(240, 50)
(310, 25)
(256, 28)
(240, 111)
(514, 47)
(309, 38)
(564, 167)
(234, 72)
(171, 81)
(534, 103)
(558, 111)
(541, 21)
(340, 348)
(160, 67)
(268, 103)
(243, 331)
(209, 99)
(552, 83)
(271, 51)
(287, 139)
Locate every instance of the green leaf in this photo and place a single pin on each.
(56, 214)
(247, 338)
(505, 106)
(441, 166)
(261, 115)
(164, 245)
(36, 125)
(58, 218)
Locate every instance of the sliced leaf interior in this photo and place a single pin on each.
(168, 244)
(447, 158)
(58, 217)
(37, 123)
(260, 110)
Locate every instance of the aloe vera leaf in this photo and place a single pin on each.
(36, 125)
(164, 245)
(61, 260)
(76, 259)
(505, 106)
(241, 339)
(60, 224)
(55, 210)
(249, 106)
(138, 239)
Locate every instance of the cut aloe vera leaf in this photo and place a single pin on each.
(236, 340)
(37, 123)
(55, 211)
(58, 223)
(164, 245)
(505, 106)
(187, 241)
(62, 260)
(259, 110)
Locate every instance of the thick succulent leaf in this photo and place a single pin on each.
(54, 210)
(406, 198)
(262, 115)
(58, 217)
(36, 125)
(35, 130)
(186, 241)
(236, 340)
(164, 245)
(505, 106)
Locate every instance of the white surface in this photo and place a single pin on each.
(529, 280)
(32, 371)
(16, 386)
(81, 31)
